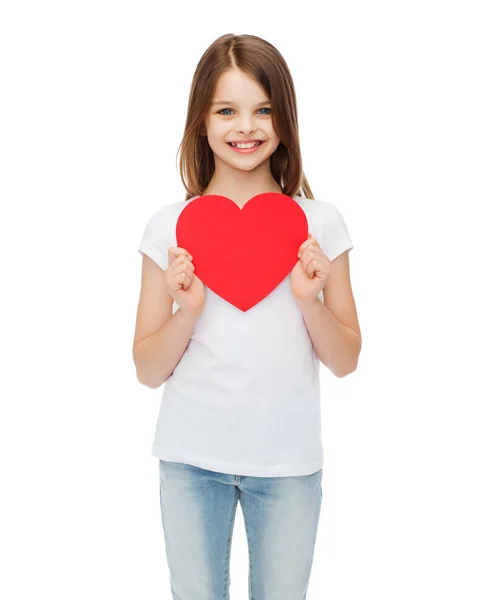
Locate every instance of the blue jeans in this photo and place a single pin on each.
(281, 517)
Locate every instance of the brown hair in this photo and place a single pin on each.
(259, 59)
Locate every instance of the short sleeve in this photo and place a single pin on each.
(336, 238)
(154, 242)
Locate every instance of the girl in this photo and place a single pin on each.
(240, 413)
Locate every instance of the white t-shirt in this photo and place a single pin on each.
(245, 396)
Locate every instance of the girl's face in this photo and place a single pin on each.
(240, 111)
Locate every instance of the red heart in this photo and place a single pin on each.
(242, 254)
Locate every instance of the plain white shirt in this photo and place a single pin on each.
(245, 396)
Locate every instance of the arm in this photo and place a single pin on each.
(157, 356)
(333, 324)
(336, 344)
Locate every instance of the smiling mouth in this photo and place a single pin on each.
(234, 146)
(258, 143)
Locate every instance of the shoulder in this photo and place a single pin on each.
(168, 210)
(166, 215)
(320, 209)
(160, 229)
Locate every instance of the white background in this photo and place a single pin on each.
(396, 113)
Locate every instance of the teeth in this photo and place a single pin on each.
(245, 145)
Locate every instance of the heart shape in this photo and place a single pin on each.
(242, 254)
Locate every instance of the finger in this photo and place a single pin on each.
(303, 246)
(184, 279)
(311, 241)
(187, 272)
(175, 251)
(181, 261)
(311, 263)
(310, 254)
(313, 268)
(183, 251)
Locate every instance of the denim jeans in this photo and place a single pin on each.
(281, 516)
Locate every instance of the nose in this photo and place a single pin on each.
(245, 125)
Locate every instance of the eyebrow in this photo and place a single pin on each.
(234, 104)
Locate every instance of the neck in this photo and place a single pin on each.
(240, 186)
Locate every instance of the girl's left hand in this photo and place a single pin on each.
(311, 272)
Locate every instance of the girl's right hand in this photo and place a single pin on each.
(186, 289)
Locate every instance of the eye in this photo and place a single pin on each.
(221, 111)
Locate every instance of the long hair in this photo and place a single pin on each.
(262, 61)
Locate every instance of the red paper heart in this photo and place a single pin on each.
(242, 254)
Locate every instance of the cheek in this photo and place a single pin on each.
(275, 140)
(215, 127)
(218, 132)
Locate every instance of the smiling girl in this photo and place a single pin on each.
(239, 419)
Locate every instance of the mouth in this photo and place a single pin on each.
(245, 150)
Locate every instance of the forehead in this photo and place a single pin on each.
(237, 87)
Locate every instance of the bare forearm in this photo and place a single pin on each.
(336, 345)
(157, 355)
